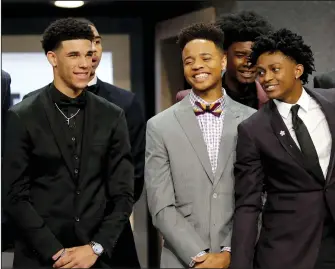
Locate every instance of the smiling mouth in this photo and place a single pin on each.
(82, 75)
(270, 87)
(201, 77)
(247, 74)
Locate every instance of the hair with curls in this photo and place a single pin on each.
(242, 27)
(288, 43)
(65, 29)
(206, 31)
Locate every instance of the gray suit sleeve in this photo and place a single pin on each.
(176, 231)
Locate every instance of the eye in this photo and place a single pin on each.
(275, 70)
(261, 73)
(207, 59)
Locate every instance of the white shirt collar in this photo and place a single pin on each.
(285, 108)
(93, 81)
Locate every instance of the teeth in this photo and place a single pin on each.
(271, 87)
(202, 75)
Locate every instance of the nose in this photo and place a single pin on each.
(85, 62)
(198, 63)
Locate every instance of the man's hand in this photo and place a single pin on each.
(213, 260)
(77, 257)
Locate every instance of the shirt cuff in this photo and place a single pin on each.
(228, 249)
(192, 263)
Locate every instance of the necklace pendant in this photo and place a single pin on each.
(68, 121)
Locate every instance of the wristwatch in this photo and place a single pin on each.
(97, 248)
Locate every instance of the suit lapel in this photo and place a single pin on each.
(329, 111)
(283, 135)
(229, 131)
(57, 128)
(88, 131)
(190, 125)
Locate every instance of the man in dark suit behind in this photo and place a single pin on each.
(67, 168)
(287, 146)
(325, 81)
(125, 254)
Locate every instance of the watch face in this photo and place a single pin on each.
(97, 248)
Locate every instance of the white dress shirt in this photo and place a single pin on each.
(313, 117)
(93, 81)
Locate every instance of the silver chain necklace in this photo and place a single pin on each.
(67, 118)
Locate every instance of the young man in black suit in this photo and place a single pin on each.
(125, 254)
(287, 146)
(67, 168)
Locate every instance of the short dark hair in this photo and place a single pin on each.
(65, 29)
(207, 31)
(288, 43)
(242, 27)
(90, 23)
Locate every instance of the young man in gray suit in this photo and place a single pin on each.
(190, 152)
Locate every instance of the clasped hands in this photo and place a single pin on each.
(213, 260)
(76, 257)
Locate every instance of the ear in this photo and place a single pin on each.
(52, 58)
(299, 70)
(224, 61)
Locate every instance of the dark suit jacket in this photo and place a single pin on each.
(41, 195)
(296, 198)
(7, 240)
(125, 254)
(325, 81)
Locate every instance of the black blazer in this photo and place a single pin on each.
(325, 81)
(297, 197)
(125, 254)
(51, 209)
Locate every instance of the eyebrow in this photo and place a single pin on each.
(97, 37)
(77, 52)
(243, 51)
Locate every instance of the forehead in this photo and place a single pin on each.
(76, 45)
(268, 58)
(242, 46)
(95, 31)
(199, 46)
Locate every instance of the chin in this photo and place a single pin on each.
(246, 80)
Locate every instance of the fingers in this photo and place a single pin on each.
(71, 264)
(58, 254)
(63, 260)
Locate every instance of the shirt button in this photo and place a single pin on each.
(215, 195)
(76, 171)
(78, 192)
(73, 139)
(77, 219)
(76, 157)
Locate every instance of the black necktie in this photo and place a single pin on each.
(306, 144)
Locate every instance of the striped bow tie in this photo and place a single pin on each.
(203, 108)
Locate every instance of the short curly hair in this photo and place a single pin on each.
(242, 27)
(65, 29)
(288, 43)
(207, 31)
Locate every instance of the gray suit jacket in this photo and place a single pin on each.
(191, 207)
